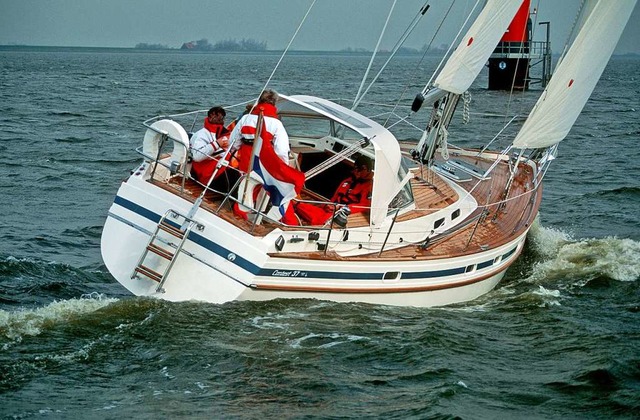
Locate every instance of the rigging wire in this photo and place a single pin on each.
(580, 13)
(396, 48)
(513, 81)
(424, 54)
(574, 28)
(455, 41)
(427, 86)
(287, 48)
(375, 51)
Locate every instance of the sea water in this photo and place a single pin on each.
(558, 338)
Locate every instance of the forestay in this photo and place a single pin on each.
(576, 76)
(469, 58)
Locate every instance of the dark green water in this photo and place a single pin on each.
(558, 338)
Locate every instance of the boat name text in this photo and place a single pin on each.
(289, 273)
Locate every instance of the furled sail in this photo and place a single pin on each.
(481, 39)
(576, 76)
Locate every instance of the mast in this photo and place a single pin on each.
(462, 69)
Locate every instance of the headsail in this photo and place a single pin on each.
(469, 58)
(576, 76)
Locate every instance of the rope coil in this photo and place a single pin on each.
(444, 150)
(466, 97)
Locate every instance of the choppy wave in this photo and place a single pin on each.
(611, 257)
(324, 340)
(547, 241)
(622, 192)
(562, 255)
(58, 113)
(14, 325)
(84, 232)
(28, 281)
(554, 262)
(101, 160)
(17, 267)
(74, 139)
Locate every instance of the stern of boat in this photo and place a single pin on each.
(131, 224)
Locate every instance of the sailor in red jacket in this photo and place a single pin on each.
(353, 192)
(244, 131)
(280, 180)
(207, 146)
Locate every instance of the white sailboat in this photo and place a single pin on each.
(445, 223)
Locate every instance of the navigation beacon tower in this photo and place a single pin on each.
(511, 61)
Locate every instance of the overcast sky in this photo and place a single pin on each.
(332, 24)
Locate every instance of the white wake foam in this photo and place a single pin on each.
(30, 322)
(616, 258)
(547, 241)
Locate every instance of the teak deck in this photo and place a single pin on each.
(489, 227)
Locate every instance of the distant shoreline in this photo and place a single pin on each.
(41, 48)
(181, 51)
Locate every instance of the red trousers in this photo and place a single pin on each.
(312, 214)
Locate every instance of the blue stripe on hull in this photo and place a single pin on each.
(279, 273)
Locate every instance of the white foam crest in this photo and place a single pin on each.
(125, 326)
(275, 321)
(263, 323)
(74, 356)
(165, 372)
(616, 258)
(549, 297)
(547, 292)
(297, 343)
(13, 260)
(336, 338)
(547, 241)
(30, 322)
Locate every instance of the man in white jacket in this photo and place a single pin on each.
(244, 132)
(280, 180)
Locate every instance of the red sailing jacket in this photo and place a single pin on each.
(204, 169)
(218, 129)
(356, 193)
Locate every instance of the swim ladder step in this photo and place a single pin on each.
(171, 230)
(147, 272)
(160, 251)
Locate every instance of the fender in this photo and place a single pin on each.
(175, 132)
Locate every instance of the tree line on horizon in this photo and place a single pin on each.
(245, 44)
(204, 45)
(249, 44)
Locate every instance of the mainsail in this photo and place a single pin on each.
(481, 39)
(576, 76)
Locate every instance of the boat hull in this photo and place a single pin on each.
(222, 263)
(421, 297)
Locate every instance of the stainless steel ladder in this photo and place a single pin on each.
(171, 255)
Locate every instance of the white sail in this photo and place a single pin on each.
(481, 39)
(576, 76)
